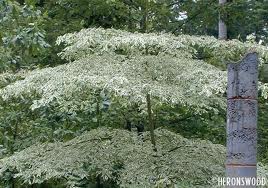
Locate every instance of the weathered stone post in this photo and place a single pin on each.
(242, 106)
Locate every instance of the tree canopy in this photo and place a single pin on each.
(131, 65)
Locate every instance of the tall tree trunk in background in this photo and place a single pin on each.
(144, 20)
(242, 116)
(130, 20)
(222, 22)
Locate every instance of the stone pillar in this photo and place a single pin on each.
(242, 107)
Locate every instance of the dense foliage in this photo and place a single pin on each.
(22, 40)
(121, 157)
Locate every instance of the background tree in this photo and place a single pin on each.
(22, 41)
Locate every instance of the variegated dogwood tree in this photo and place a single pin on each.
(138, 67)
(133, 69)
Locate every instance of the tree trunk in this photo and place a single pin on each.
(15, 132)
(148, 96)
(144, 20)
(130, 20)
(98, 185)
(242, 106)
(150, 117)
(12, 180)
(98, 110)
(222, 24)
